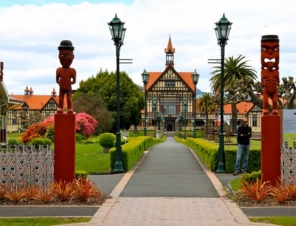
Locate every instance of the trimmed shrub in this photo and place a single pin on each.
(50, 133)
(37, 141)
(47, 141)
(80, 137)
(107, 140)
(80, 173)
(251, 177)
(13, 141)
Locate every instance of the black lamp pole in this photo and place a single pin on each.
(222, 32)
(145, 78)
(185, 112)
(117, 32)
(154, 108)
(195, 77)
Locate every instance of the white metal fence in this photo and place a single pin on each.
(24, 165)
(288, 165)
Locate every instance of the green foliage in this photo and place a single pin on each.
(80, 137)
(91, 158)
(46, 221)
(47, 141)
(80, 173)
(107, 140)
(95, 106)
(133, 150)
(235, 184)
(50, 133)
(208, 152)
(284, 220)
(131, 97)
(251, 177)
(37, 141)
(13, 141)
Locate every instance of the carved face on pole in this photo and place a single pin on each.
(270, 52)
(66, 55)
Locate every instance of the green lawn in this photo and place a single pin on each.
(90, 158)
(47, 221)
(284, 221)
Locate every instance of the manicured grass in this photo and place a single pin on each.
(90, 158)
(235, 184)
(285, 221)
(41, 221)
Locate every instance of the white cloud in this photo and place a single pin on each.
(30, 35)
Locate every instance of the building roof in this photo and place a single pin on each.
(34, 102)
(169, 48)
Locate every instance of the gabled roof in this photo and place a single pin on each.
(34, 102)
(185, 76)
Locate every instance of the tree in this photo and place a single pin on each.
(236, 71)
(131, 97)
(207, 105)
(96, 107)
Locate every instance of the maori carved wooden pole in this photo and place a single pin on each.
(64, 123)
(270, 71)
(66, 76)
(270, 122)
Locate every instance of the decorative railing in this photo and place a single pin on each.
(288, 165)
(26, 166)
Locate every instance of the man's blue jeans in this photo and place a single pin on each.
(242, 149)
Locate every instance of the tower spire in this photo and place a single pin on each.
(169, 53)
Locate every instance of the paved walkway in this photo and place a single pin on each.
(169, 186)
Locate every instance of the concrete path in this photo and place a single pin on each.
(169, 186)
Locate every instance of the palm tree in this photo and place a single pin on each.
(206, 105)
(235, 70)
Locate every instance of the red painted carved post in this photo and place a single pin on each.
(270, 122)
(65, 132)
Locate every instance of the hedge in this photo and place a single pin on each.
(208, 152)
(133, 150)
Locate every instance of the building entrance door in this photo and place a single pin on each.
(170, 126)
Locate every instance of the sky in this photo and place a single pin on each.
(31, 32)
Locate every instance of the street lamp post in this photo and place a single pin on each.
(154, 108)
(195, 77)
(222, 32)
(117, 32)
(185, 112)
(145, 78)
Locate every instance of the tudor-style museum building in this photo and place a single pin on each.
(170, 96)
(171, 103)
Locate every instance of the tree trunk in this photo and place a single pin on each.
(233, 117)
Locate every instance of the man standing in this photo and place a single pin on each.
(244, 134)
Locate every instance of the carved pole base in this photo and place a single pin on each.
(270, 148)
(65, 148)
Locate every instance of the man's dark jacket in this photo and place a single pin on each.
(246, 131)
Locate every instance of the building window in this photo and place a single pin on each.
(47, 114)
(169, 83)
(52, 104)
(14, 121)
(254, 120)
(169, 106)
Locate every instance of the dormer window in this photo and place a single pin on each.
(169, 84)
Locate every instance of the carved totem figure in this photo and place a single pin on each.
(65, 76)
(270, 56)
